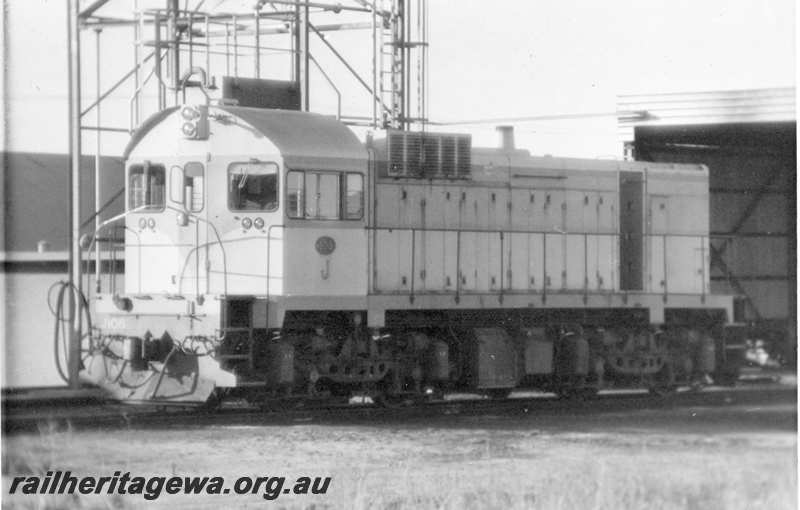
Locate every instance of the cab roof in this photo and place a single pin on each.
(301, 137)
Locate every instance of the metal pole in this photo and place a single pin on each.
(302, 56)
(208, 49)
(97, 163)
(227, 50)
(296, 48)
(257, 43)
(157, 43)
(173, 41)
(406, 28)
(374, 67)
(74, 72)
(235, 47)
(137, 41)
(191, 41)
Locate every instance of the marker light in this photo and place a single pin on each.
(151, 223)
(142, 223)
(189, 113)
(259, 223)
(194, 122)
(247, 223)
(189, 129)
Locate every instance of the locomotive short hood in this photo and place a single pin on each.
(301, 137)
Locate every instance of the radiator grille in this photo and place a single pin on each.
(428, 155)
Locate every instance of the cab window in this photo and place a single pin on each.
(318, 195)
(322, 196)
(354, 197)
(186, 186)
(146, 187)
(253, 186)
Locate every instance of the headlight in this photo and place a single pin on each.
(151, 223)
(142, 223)
(259, 223)
(247, 223)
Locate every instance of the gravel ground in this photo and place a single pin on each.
(704, 458)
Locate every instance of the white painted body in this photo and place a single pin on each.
(518, 225)
(524, 224)
(213, 253)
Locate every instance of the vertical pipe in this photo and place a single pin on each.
(208, 50)
(157, 72)
(137, 41)
(296, 48)
(420, 50)
(97, 169)
(235, 47)
(425, 29)
(374, 67)
(406, 64)
(173, 37)
(74, 73)
(400, 46)
(191, 42)
(257, 39)
(302, 57)
(293, 34)
(227, 49)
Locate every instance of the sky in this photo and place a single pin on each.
(488, 60)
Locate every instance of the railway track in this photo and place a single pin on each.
(56, 416)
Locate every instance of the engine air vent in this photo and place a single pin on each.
(428, 155)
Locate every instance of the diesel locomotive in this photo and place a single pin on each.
(270, 254)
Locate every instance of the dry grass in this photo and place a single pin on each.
(486, 462)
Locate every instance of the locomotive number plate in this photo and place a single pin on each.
(325, 245)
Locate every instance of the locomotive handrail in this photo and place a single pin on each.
(204, 245)
(108, 222)
(141, 86)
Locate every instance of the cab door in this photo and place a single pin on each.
(151, 247)
(247, 218)
(187, 197)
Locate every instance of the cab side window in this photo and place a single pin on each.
(354, 197)
(322, 196)
(316, 195)
(295, 187)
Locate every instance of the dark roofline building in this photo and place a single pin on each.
(748, 140)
